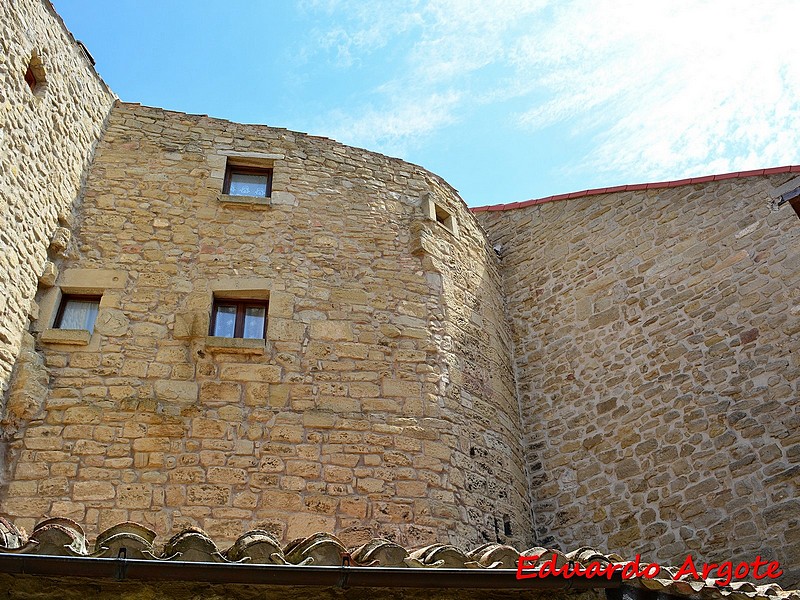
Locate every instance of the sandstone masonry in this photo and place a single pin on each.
(47, 135)
(657, 353)
(618, 371)
(383, 400)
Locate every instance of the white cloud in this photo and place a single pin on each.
(361, 27)
(659, 89)
(682, 88)
(391, 129)
(431, 86)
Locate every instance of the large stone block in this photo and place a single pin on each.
(179, 391)
(331, 330)
(93, 490)
(134, 495)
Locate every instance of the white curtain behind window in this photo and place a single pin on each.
(79, 314)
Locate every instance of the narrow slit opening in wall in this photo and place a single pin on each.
(30, 79)
(506, 525)
(34, 74)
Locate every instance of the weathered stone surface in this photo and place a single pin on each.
(93, 490)
(60, 242)
(653, 336)
(370, 352)
(62, 121)
(48, 276)
(30, 386)
(168, 390)
(32, 587)
(71, 337)
(657, 378)
(111, 322)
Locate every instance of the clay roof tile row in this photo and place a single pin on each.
(65, 538)
(640, 186)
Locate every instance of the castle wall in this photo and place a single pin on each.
(657, 350)
(382, 402)
(46, 138)
(626, 376)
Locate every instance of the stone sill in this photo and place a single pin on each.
(74, 337)
(236, 345)
(255, 201)
(450, 230)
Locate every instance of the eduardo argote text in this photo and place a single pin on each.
(722, 573)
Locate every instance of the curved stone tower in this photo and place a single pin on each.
(52, 109)
(382, 401)
(620, 370)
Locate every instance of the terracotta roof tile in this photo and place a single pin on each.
(65, 538)
(751, 173)
(774, 170)
(723, 176)
(639, 186)
(702, 179)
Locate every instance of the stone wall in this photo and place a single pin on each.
(382, 403)
(47, 135)
(650, 365)
(657, 351)
(35, 587)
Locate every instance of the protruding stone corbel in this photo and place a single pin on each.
(60, 242)
(65, 219)
(423, 240)
(49, 275)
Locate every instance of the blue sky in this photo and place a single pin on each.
(507, 100)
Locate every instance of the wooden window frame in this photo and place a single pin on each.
(241, 308)
(793, 198)
(232, 169)
(65, 298)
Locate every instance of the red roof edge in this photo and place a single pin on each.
(727, 176)
(639, 186)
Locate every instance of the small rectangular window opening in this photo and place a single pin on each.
(444, 217)
(239, 318)
(248, 181)
(77, 312)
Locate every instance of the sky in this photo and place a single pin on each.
(508, 100)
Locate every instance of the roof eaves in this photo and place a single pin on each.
(639, 186)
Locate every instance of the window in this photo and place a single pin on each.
(247, 181)
(444, 218)
(437, 212)
(77, 312)
(239, 318)
(793, 198)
